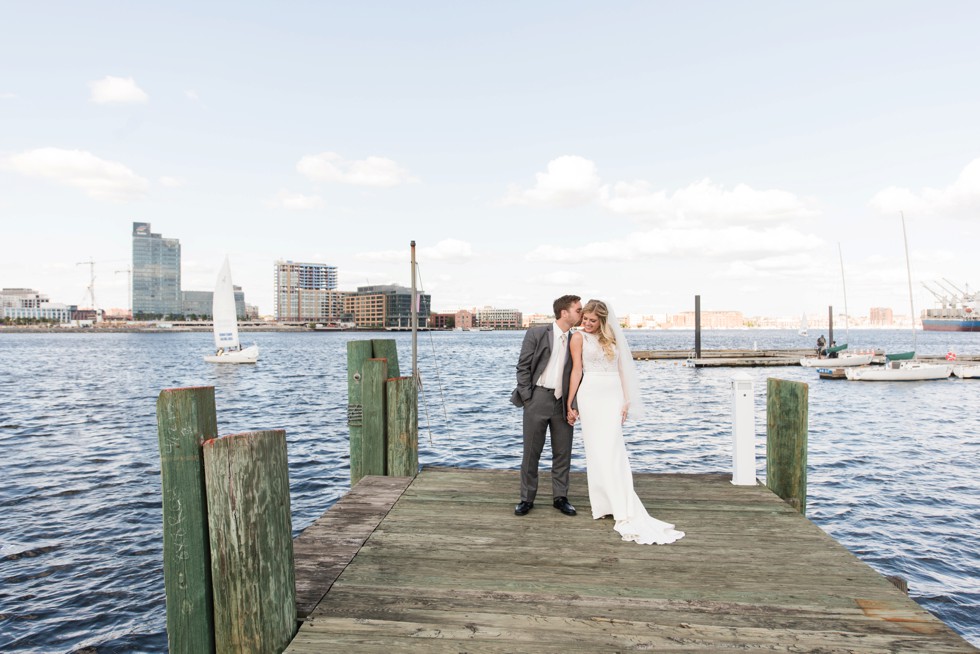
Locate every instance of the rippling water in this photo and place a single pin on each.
(892, 467)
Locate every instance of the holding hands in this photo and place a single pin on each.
(572, 416)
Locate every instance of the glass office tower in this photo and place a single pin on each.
(156, 274)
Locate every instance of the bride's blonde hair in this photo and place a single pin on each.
(607, 339)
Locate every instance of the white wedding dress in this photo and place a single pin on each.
(600, 402)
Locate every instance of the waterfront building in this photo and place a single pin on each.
(29, 304)
(201, 304)
(393, 309)
(464, 319)
(881, 317)
(442, 320)
(156, 274)
(532, 319)
(307, 292)
(493, 318)
(709, 320)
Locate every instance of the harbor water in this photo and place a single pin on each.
(892, 466)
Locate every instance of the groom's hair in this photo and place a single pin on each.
(563, 303)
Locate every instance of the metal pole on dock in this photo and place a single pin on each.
(697, 326)
(415, 322)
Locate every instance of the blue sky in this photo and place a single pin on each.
(638, 152)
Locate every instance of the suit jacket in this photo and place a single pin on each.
(535, 353)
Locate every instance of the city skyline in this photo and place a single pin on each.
(642, 153)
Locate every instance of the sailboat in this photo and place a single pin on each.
(904, 366)
(803, 325)
(228, 347)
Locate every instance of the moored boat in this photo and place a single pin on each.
(900, 371)
(842, 360)
(967, 372)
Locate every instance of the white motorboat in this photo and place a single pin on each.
(967, 372)
(228, 347)
(900, 371)
(842, 360)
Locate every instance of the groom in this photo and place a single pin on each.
(543, 371)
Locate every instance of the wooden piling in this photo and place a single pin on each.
(373, 432)
(385, 348)
(786, 440)
(403, 427)
(357, 353)
(697, 326)
(251, 542)
(185, 418)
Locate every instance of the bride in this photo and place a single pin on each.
(606, 384)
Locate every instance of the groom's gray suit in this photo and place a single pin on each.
(541, 412)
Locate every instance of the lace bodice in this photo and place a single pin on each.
(594, 358)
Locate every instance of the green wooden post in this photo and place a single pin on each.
(786, 440)
(251, 542)
(373, 447)
(403, 427)
(186, 418)
(384, 348)
(357, 353)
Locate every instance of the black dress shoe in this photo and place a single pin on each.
(523, 508)
(561, 503)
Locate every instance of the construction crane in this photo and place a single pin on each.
(90, 291)
(129, 288)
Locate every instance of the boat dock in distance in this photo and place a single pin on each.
(757, 358)
(439, 563)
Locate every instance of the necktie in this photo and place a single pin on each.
(563, 339)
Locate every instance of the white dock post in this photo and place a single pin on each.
(743, 430)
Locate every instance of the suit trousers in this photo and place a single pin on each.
(541, 414)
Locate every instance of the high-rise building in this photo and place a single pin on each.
(156, 274)
(307, 291)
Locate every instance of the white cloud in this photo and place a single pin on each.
(9, 96)
(448, 250)
(171, 182)
(961, 198)
(568, 182)
(99, 178)
(122, 90)
(562, 278)
(706, 202)
(372, 171)
(728, 243)
(297, 201)
(191, 95)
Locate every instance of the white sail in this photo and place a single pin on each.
(223, 311)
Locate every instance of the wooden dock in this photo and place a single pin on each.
(761, 358)
(440, 563)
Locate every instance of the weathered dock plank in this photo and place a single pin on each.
(451, 569)
(325, 548)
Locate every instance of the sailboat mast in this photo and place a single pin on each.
(843, 279)
(415, 322)
(908, 270)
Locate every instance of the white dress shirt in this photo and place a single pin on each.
(551, 377)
